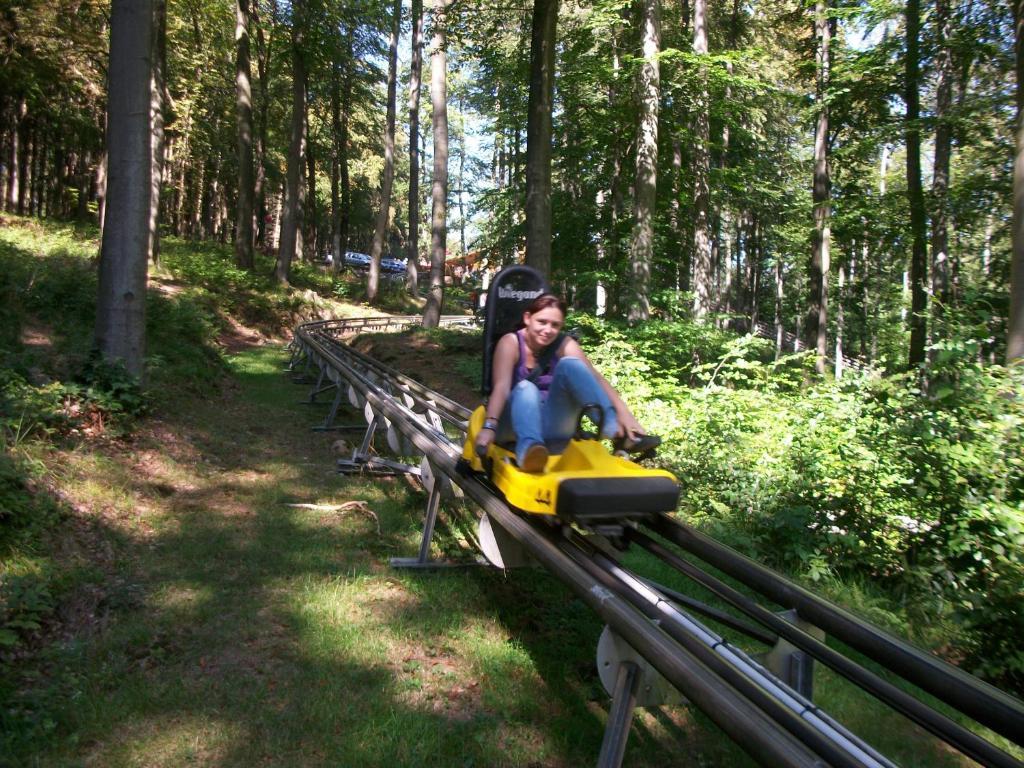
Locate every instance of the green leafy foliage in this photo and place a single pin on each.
(20, 506)
(25, 602)
(919, 489)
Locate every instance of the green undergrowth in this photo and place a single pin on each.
(913, 483)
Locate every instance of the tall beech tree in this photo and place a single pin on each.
(641, 250)
(1015, 330)
(945, 73)
(264, 38)
(341, 191)
(126, 243)
(818, 269)
(915, 192)
(702, 298)
(538, 135)
(159, 104)
(291, 242)
(246, 172)
(415, 76)
(439, 180)
(388, 176)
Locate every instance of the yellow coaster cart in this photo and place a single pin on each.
(585, 483)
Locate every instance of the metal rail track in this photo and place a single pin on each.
(775, 724)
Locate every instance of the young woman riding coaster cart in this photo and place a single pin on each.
(527, 437)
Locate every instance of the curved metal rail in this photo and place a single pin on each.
(771, 721)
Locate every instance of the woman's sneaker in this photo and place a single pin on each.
(644, 444)
(535, 459)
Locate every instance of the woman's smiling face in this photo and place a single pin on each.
(542, 326)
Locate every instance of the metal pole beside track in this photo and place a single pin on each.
(620, 717)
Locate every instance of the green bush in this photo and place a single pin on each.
(918, 488)
(19, 505)
(25, 602)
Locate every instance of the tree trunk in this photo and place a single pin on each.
(818, 269)
(13, 166)
(439, 184)
(839, 322)
(462, 175)
(538, 135)
(1015, 326)
(24, 172)
(33, 164)
(101, 191)
(263, 56)
(754, 254)
(344, 181)
(291, 226)
(121, 295)
(157, 109)
(337, 254)
(84, 176)
(701, 171)
(641, 249)
(610, 287)
(915, 194)
(387, 179)
(415, 75)
(779, 295)
(676, 218)
(310, 249)
(244, 256)
(940, 172)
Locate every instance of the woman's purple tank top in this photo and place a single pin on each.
(521, 372)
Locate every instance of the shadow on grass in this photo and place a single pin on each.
(233, 629)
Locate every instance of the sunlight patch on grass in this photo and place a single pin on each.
(181, 598)
(171, 740)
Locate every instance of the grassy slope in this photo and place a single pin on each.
(204, 620)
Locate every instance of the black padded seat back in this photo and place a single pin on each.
(512, 291)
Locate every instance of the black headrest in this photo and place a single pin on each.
(511, 292)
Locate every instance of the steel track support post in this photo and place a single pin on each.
(790, 664)
(317, 390)
(317, 387)
(304, 376)
(333, 412)
(620, 716)
(364, 447)
(423, 559)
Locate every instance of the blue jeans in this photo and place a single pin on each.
(529, 418)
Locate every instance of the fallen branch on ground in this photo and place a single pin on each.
(344, 507)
